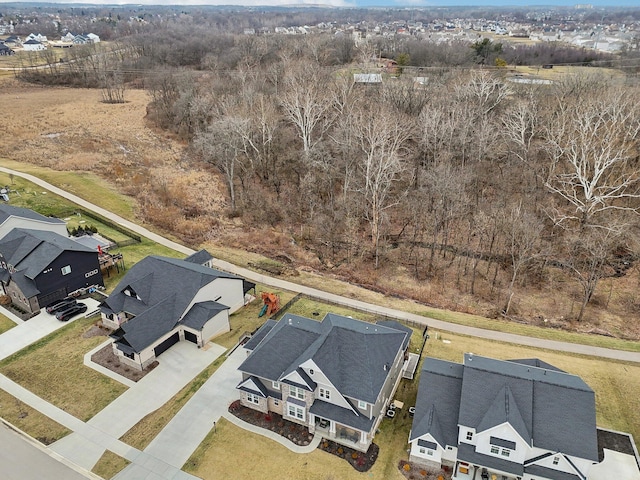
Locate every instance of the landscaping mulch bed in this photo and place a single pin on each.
(106, 358)
(413, 471)
(358, 460)
(298, 434)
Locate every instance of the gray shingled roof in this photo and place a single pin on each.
(398, 326)
(257, 337)
(166, 287)
(438, 401)
(202, 312)
(200, 257)
(354, 355)
(540, 471)
(557, 409)
(342, 415)
(7, 211)
(31, 251)
(467, 453)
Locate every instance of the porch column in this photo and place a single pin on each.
(363, 437)
(332, 427)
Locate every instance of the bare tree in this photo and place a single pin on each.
(381, 136)
(307, 104)
(587, 260)
(593, 145)
(522, 232)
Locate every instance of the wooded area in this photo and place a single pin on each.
(489, 191)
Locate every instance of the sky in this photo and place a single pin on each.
(356, 3)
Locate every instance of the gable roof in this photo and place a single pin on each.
(200, 257)
(257, 337)
(7, 211)
(555, 409)
(438, 401)
(355, 356)
(158, 290)
(31, 251)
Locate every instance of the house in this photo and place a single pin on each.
(367, 78)
(336, 376)
(81, 40)
(39, 267)
(5, 50)
(162, 300)
(93, 38)
(33, 46)
(16, 217)
(512, 420)
(38, 37)
(202, 257)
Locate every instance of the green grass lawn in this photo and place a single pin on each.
(53, 369)
(86, 185)
(5, 324)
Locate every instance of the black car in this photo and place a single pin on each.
(69, 313)
(61, 305)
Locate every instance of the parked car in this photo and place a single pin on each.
(69, 313)
(61, 305)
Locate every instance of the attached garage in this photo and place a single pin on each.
(190, 337)
(166, 344)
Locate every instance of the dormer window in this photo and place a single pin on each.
(362, 405)
(276, 385)
(469, 436)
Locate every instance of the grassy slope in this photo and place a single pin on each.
(53, 369)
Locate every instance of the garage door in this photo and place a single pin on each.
(164, 346)
(191, 337)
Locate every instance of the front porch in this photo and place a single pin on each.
(467, 471)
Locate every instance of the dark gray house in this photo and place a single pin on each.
(39, 267)
(508, 420)
(161, 301)
(336, 376)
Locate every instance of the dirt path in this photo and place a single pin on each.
(347, 302)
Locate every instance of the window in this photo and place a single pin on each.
(556, 460)
(311, 371)
(253, 398)
(324, 393)
(276, 385)
(66, 270)
(505, 452)
(276, 402)
(422, 450)
(295, 411)
(430, 453)
(362, 404)
(495, 450)
(469, 435)
(296, 392)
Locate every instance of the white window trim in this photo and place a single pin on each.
(297, 410)
(296, 392)
(495, 450)
(275, 385)
(325, 393)
(66, 270)
(505, 452)
(469, 436)
(252, 398)
(362, 404)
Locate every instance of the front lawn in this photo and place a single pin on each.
(5, 324)
(109, 465)
(53, 369)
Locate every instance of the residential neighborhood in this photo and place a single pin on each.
(339, 376)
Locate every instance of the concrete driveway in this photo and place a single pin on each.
(184, 433)
(177, 367)
(26, 333)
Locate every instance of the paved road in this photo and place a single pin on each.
(347, 302)
(21, 459)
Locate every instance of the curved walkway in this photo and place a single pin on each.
(344, 301)
(285, 442)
